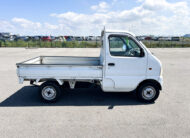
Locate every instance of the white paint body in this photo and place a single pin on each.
(125, 76)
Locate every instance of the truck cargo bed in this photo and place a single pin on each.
(60, 67)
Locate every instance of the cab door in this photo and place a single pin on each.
(126, 63)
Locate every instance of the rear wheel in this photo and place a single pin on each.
(148, 92)
(50, 92)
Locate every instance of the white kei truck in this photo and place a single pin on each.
(124, 65)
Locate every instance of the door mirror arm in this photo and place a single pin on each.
(142, 53)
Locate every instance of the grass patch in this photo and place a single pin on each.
(88, 44)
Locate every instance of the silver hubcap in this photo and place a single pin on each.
(48, 93)
(148, 93)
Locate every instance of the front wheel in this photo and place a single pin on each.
(50, 92)
(148, 92)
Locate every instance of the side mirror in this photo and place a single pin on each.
(142, 53)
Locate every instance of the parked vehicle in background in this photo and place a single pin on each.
(91, 38)
(86, 38)
(154, 38)
(175, 38)
(10, 38)
(140, 38)
(69, 38)
(79, 38)
(36, 37)
(46, 38)
(7, 37)
(60, 39)
(164, 38)
(148, 38)
(124, 65)
(23, 38)
(5, 34)
(98, 38)
(52, 38)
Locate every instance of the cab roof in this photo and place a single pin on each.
(119, 31)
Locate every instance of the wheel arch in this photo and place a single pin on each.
(155, 82)
(53, 80)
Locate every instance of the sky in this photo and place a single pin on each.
(88, 17)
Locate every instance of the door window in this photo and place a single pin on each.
(124, 46)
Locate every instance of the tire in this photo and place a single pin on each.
(148, 92)
(50, 92)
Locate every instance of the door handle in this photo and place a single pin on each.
(111, 64)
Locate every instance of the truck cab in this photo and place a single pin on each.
(127, 62)
(124, 65)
